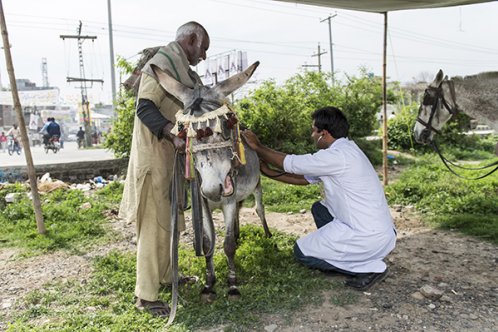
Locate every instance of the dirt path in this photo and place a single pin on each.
(439, 281)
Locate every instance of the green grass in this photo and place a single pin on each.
(269, 278)
(69, 225)
(281, 197)
(448, 201)
(483, 226)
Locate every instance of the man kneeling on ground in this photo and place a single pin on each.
(355, 231)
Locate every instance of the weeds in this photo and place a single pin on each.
(70, 224)
(269, 278)
(448, 201)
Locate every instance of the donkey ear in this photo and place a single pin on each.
(172, 86)
(231, 84)
(439, 78)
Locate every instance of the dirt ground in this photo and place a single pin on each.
(439, 280)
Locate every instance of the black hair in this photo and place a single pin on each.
(331, 119)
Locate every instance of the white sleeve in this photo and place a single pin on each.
(324, 162)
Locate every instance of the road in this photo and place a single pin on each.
(69, 154)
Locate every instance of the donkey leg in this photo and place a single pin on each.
(236, 225)
(260, 208)
(208, 294)
(230, 247)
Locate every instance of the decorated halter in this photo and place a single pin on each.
(194, 128)
(433, 96)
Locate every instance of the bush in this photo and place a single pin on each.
(281, 116)
(119, 138)
(372, 149)
(400, 129)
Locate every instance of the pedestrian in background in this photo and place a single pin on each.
(3, 142)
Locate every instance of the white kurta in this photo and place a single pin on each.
(362, 232)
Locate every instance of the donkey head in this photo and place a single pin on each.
(212, 146)
(437, 107)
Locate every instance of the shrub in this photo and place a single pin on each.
(400, 129)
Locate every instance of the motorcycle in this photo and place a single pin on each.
(53, 144)
(13, 146)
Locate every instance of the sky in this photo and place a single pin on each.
(282, 36)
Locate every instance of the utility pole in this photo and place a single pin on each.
(85, 104)
(44, 73)
(319, 55)
(330, 41)
(33, 182)
(111, 48)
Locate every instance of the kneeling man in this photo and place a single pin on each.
(355, 231)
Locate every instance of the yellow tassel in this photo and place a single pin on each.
(242, 152)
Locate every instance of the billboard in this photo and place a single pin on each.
(220, 67)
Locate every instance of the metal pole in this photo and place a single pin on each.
(22, 125)
(329, 19)
(384, 101)
(111, 48)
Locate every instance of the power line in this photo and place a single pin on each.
(406, 34)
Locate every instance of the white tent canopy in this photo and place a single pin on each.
(384, 6)
(381, 6)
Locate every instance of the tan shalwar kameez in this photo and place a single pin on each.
(146, 198)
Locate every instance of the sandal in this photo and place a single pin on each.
(155, 308)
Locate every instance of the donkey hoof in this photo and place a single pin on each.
(234, 294)
(208, 296)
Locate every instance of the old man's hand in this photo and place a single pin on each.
(177, 141)
(251, 139)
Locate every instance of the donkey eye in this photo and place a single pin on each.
(428, 99)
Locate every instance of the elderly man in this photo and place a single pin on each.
(146, 197)
(354, 226)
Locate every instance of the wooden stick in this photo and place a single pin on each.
(384, 102)
(22, 125)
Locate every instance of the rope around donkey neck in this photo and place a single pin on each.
(211, 146)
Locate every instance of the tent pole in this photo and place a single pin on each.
(22, 125)
(384, 102)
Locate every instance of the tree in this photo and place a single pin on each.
(281, 115)
(119, 138)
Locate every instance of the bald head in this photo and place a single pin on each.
(189, 28)
(194, 40)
